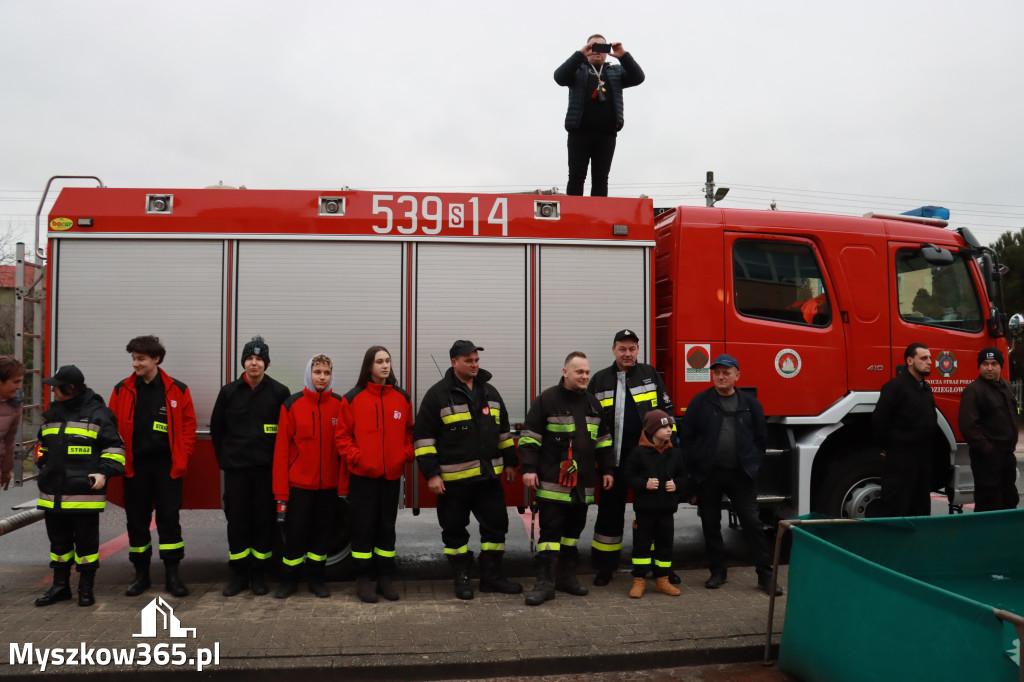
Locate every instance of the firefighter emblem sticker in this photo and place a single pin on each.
(698, 355)
(788, 363)
(945, 364)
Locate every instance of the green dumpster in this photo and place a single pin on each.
(920, 598)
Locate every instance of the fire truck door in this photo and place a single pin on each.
(781, 323)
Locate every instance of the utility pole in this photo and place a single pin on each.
(710, 194)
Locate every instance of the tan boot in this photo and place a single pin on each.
(639, 585)
(665, 587)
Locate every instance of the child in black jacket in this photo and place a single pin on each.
(656, 474)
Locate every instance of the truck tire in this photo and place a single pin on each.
(853, 488)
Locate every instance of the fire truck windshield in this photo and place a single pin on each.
(937, 295)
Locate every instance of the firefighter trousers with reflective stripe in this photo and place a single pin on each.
(560, 524)
(373, 509)
(74, 538)
(152, 488)
(608, 528)
(250, 511)
(486, 499)
(307, 530)
(657, 529)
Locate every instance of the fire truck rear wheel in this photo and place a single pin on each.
(853, 487)
(339, 548)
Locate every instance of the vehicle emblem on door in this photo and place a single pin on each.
(945, 364)
(788, 363)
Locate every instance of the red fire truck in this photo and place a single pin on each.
(817, 308)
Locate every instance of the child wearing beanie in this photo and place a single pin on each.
(656, 474)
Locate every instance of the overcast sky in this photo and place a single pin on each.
(822, 106)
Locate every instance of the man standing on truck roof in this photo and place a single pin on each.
(722, 436)
(627, 391)
(462, 443)
(566, 452)
(595, 114)
(904, 426)
(988, 422)
(157, 421)
(243, 429)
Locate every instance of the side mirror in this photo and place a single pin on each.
(1016, 324)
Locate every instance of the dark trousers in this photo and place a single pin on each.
(596, 150)
(307, 530)
(151, 487)
(906, 482)
(373, 508)
(994, 481)
(249, 508)
(74, 537)
(486, 499)
(740, 488)
(560, 525)
(657, 528)
(608, 528)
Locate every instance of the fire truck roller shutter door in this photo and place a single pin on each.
(333, 297)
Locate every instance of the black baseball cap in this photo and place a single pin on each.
(68, 374)
(462, 347)
(626, 334)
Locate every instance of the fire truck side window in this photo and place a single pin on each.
(937, 295)
(780, 281)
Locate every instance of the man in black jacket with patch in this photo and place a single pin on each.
(723, 436)
(565, 448)
(243, 429)
(904, 426)
(988, 422)
(595, 110)
(462, 443)
(627, 391)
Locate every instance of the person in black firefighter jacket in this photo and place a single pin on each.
(462, 443)
(79, 450)
(243, 429)
(565, 447)
(656, 474)
(627, 390)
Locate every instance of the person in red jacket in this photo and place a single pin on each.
(157, 421)
(308, 477)
(374, 438)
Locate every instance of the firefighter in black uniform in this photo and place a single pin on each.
(243, 429)
(462, 444)
(565, 445)
(79, 450)
(627, 390)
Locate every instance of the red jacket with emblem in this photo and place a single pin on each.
(181, 421)
(374, 433)
(305, 455)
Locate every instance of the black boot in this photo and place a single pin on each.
(544, 588)
(239, 581)
(287, 588)
(315, 576)
(258, 582)
(605, 564)
(386, 587)
(172, 581)
(140, 583)
(491, 576)
(86, 580)
(567, 580)
(61, 590)
(364, 590)
(460, 568)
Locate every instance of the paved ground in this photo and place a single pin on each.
(428, 634)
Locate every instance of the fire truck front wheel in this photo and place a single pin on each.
(853, 488)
